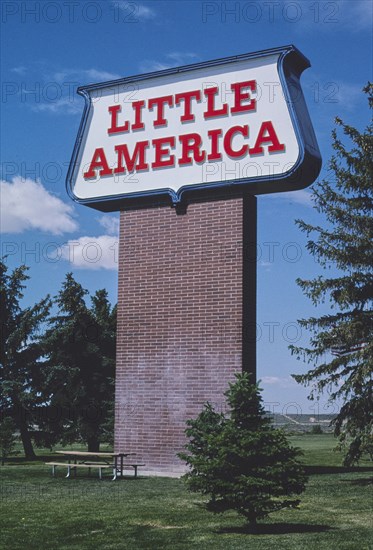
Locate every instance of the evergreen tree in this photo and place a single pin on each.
(80, 367)
(341, 344)
(7, 438)
(239, 459)
(20, 353)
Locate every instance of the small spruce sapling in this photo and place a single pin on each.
(239, 459)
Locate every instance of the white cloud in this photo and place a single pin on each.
(341, 15)
(64, 105)
(347, 95)
(96, 75)
(358, 14)
(150, 66)
(181, 58)
(26, 205)
(143, 12)
(110, 224)
(83, 76)
(281, 382)
(172, 59)
(267, 266)
(270, 379)
(21, 70)
(65, 82)
(92, 252)
(134, 11)
(301, 196)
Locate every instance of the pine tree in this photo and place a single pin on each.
(80, 366)
(20, 353)
(239, 459)
(7, 438)
(341, 344)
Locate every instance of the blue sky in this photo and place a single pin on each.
(50, 48)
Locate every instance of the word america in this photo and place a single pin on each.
(193, 150)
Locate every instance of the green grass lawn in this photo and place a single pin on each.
(41, 512)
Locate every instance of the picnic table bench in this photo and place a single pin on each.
(101, 461)
(73, 467)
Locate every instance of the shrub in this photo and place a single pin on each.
(239, 459)
(315, 430)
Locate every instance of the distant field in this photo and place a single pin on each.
(39, 512)
(303, 423)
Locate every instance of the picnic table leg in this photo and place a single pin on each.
(114, 471)
(53, 470)
(69, 466)
(135, 467)
(115, 468)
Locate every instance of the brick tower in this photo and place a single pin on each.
(186, 320)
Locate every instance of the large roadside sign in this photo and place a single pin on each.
(199, 131)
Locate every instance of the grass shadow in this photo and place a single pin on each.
(363, 482)
(15, 460)
(131, 477)
(275, 529)
(317, 470)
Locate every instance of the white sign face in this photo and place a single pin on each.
(206, 128)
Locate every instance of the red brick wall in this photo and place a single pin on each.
(180, 310)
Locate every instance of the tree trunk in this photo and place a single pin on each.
(25, 437)
(20, 418)
(93, 444)
(253, 526)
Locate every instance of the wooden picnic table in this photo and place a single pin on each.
(100, 460)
